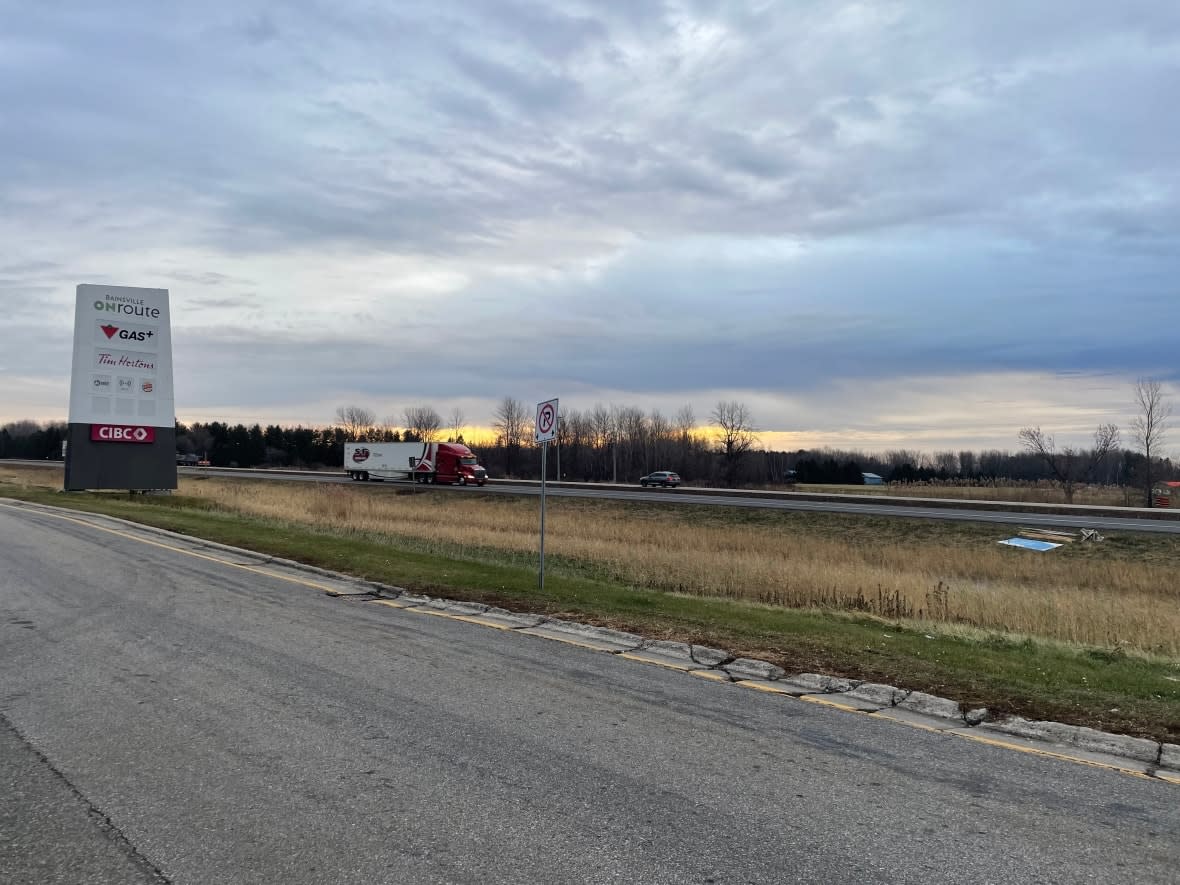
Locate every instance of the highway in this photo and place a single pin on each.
(1031, 515)
(171, 713)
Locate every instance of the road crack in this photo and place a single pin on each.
(107, 826)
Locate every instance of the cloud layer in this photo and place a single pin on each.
(652, 203)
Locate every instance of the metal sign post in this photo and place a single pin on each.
(545, 432)
(541, 573)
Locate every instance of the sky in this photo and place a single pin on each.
(879, 225)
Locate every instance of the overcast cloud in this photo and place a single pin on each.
(879, 224)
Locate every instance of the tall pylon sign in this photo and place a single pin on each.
(122, 430)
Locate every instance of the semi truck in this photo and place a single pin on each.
(413, 461)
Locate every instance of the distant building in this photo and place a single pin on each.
(872, 479)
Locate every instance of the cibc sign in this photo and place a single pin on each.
(122, 433)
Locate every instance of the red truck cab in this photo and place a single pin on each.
(449, 463)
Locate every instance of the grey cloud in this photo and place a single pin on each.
(546, 29)
(535, 90)
(946, 160)
(745, 153)
(260, 28)
(975, 187)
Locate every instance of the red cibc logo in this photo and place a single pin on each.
(123, 433)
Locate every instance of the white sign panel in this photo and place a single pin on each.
(546, 423)
(122, 357)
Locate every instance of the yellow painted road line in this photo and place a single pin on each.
(692, 668)
(708, 674)
(918, 725)
(757, 686)
(476, 619)
(574, 642)
(823, 702)
(193, 553)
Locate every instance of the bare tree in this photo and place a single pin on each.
(901, 457)
(659, 431)
(946, 463)
(967, 463)
(511, 423)
(456, 421)
(685, 422)
(422, 422)
(1150, 424)
(356, 421)
(601, 432)
(1070, 465)
(735, 434)
(630, 428)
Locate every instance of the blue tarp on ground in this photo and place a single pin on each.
(1042, 546)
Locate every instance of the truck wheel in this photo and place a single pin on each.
(462, 480)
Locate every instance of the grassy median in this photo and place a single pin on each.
(1087, 635)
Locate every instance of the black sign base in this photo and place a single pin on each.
(119, 465)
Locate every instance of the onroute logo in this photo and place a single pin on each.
(128, 306)
(122, 433)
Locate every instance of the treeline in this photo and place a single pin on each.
(610, 444)
(32, 440)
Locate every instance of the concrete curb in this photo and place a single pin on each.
(816, 683)
(748, 668)
(677, 655)
(931, 705)
(1088, 739)
(873, 696)
(1170, 757)
(585, 634)
(456, 608)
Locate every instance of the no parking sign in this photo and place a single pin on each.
(545, 430)
(546, 423)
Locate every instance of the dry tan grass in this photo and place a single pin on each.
(1093, 601)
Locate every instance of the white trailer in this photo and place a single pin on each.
(394, 460)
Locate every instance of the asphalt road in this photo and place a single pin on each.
(172, 716)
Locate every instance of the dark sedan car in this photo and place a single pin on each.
(665, 478)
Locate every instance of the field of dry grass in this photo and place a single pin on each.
(1122, 592)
